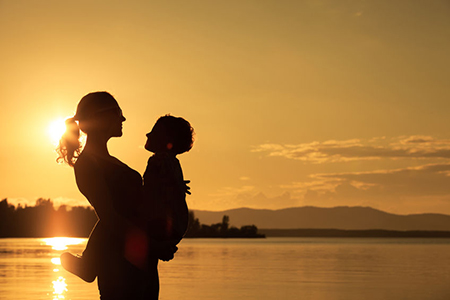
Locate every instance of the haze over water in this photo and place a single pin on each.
(267, 269)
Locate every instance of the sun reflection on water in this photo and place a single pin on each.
(59, 287)
(56, 261)
(61, 243)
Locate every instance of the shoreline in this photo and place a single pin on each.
(343, 233)
(310, 233)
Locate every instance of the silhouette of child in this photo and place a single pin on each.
(163, 212)
(164, 204)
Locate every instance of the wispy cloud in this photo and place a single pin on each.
(412, 189)
(413, 147)
(232, 191)
(248, 196)
(426, 180)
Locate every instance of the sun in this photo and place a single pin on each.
(56, 129)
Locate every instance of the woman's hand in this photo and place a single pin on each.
(165, 250)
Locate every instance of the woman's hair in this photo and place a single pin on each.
(180, 132)
(69, 147)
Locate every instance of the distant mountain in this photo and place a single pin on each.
(348, 218)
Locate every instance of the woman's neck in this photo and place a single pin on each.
(96, 145)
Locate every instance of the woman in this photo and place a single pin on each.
(114, 190)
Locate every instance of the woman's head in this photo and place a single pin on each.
(170, 134)
(98, 114)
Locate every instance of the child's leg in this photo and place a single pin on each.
(85, 266)
(93, 246)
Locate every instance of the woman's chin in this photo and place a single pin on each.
(117, 134)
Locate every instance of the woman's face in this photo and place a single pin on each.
(115, 120)
(107, 122)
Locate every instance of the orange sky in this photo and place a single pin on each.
(323, 103)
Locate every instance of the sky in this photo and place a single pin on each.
(294, 103)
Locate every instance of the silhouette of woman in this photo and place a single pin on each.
(114, 190)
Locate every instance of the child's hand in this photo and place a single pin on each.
(187, 188)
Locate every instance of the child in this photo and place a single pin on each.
(163, 212)
(164, 201)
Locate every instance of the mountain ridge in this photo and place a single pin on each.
(339, 217)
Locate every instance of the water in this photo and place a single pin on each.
(272, 268)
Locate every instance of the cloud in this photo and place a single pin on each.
(248, 196)
(415, 189)
(412, 147)
(260, 200)
(418, 189)
(232, 191)
(59, 201)
(426, 180)
(317, 184)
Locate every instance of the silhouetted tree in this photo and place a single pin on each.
(6, 217)
(194, 223)
(219, 229)
(225, 224)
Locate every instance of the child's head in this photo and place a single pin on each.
(170, 134)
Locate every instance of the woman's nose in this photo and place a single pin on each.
(123, 118)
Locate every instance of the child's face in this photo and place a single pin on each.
(157, 140)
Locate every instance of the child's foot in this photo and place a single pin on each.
(76, 265)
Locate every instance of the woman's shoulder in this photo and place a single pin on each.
(88, 159)
(86, 163)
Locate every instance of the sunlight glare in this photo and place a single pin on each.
(59, 287)
(61, 243)
(56, 261)
(56, 129)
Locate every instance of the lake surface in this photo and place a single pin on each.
(272, 268)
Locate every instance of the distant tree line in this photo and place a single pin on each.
(43, 220)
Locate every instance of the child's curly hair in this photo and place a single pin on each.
(179, 131)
